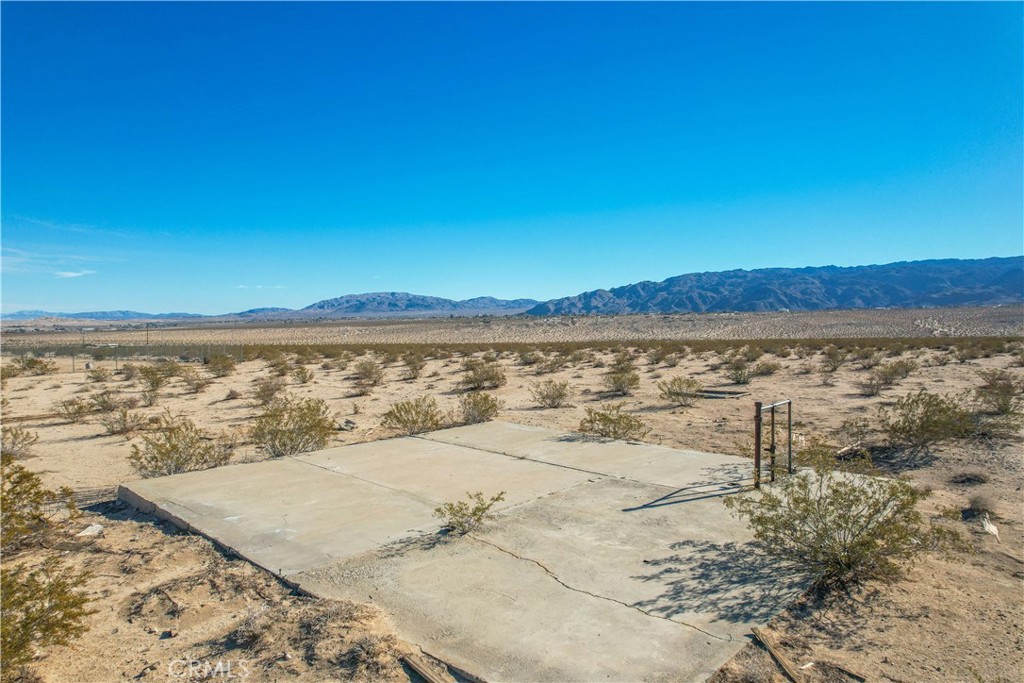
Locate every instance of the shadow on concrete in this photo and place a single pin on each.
(734, 581)
(699, 491)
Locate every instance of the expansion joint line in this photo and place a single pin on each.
(595, 595)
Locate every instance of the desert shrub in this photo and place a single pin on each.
(368, 373)
(765, 368)
(833, 358)
(43, 607)
(414, 417)
(751, 353)
(612, 423)
(34, 366)
(839, 528)
(30, 510)
(738, 372)
(130, 371)
(1000, 394)
(530, 358)
(414, 365)
(150, 397)
(266, 389)
(279, 367)
(657, 355)
(155, 376)
(122, 422)
(481, 375)
(623, 363)
(177, 446)
(980, 504)
(232, 395)
(109, 401)
(373, 656)
(302, 374)
(220, 365)
(99, 375)
(477, 407)
(550, 393)
(288, 426)
(17, 441)
(464, 516)
(922, 420)
(680, 391)
(867, 358)
(622, 383)
(73, 409)
(966, 354)
(553, 364)
(195, 382)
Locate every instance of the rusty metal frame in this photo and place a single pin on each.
(759, 410)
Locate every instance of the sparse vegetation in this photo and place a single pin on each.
(551, 393)
(414, 365)
(292, 426)
(220, 365)
(195, 382)
(368, 373)
(266, 389)
(414, 416)
(840, 529)
(622, 382)
(612, 423)
(922, 420)
(680, 391)
(29, 365)
(477, 407)
(123, 422)
(464, 516)
(73, 409)
(30, 511)
(1000, 393)
(302, 374)
(177, 446)
(17, 442)
(99, 375)
(480, 374)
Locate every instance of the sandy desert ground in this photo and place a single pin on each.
(163, 596)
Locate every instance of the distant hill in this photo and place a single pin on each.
(909, 284)
(99, 315)
(403, 303)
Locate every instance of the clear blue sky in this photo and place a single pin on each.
(215, 157)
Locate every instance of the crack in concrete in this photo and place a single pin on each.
(596, 595)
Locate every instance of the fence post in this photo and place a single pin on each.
(789, 438)
(757, 444)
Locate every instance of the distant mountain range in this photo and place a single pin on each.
(909, 284)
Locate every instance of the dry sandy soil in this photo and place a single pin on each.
(163, 596)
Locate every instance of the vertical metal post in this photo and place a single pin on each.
(789, 437)
(771, 449)
(757, 444)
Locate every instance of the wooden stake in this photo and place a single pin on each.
(790, 670)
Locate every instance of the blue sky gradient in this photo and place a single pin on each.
(213, 157)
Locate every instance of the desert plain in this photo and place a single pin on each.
(165, 599)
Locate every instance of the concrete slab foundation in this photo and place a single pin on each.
(608, 560)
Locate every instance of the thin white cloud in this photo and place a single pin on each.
(75, 273)
(260, 287)
(25, 261)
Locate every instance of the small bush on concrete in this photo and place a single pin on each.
(551, 393)
(839, 528)
(464, 516)
(680, 391)
(290, 426)
(414, 417)
(177, 446)
(480, 374)
(477, 407)
(612, 423)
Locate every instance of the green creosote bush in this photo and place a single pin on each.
(129, 371)
(480, 374)
(368, 373)
(414, 365)
(622, 383)
(476, 407)
(291, 426)
(302, 374)
(528, 358)
(155, 376)
(623, 363)
(109, 401)
(841, 528)
(122, 422)
(31, 512)
(17, 441)
(195, 382)
(464, 516)
(833, 359)
(1000, 393)
(34, 366)
(220, 364)
(551, 393)
(680, 391)
(177, 446)
(612, 423)
(738, 372)
(266, 389)
(99, 375)
(73, 409)
(922, 420)
(43, 606)
(765, 368)
(414, 416)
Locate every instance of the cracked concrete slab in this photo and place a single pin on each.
(607, 561)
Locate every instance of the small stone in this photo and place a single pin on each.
(91, 530)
